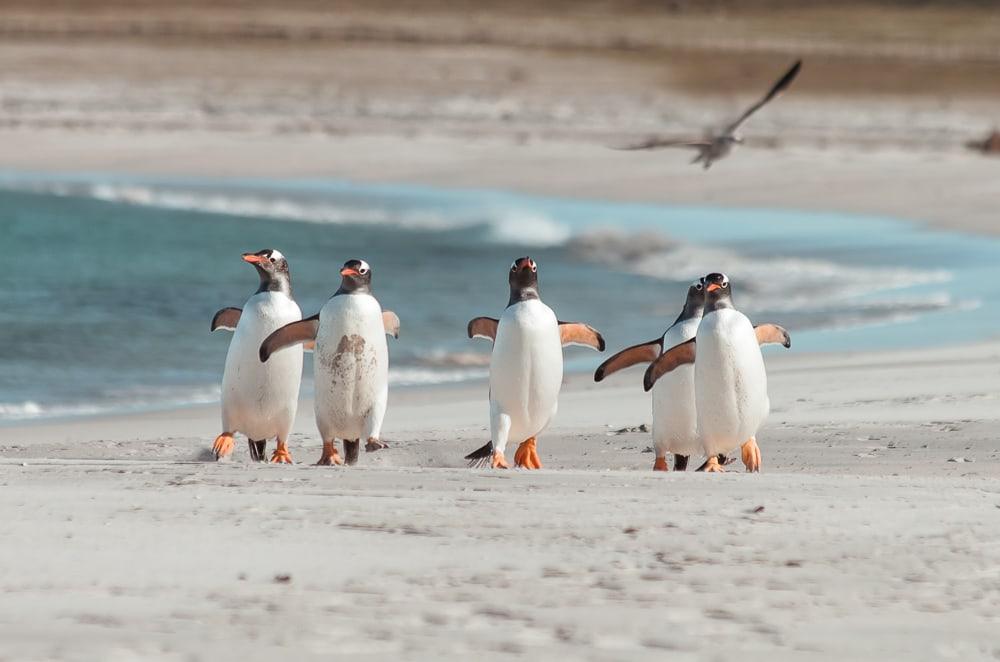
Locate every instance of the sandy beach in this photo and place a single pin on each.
(872, 532)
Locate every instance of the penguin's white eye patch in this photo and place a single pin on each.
(699, 286)
(364, 268)
(513, 265)
(534, 267)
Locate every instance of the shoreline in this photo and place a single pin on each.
(810, 393)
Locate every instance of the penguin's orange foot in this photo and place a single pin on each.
(223, 446)
(751, 455)
(526, 456)
(499, 461)
(374, 444)
(281, 454)
(712, 466)
(660, 464)
(330, 455)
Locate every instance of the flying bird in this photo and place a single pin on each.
(714, 147)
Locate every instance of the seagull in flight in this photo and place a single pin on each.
(714, 147)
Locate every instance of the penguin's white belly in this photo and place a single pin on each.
(730, 382)
(526, 368)
(351, 366)
(675, 418)
(260, 399)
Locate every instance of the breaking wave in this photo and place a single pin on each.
(505, 223)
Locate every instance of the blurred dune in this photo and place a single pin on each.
(890, 72)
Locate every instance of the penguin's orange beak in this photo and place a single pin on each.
(253, 259)
(713, 287)
(347, 271)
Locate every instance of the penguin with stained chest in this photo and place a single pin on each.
(351, 363)
(526, 368)
(259, 400)
(675, 423)
(730, 381)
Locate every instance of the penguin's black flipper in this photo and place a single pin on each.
(578, 333)
(226, 319)
(484, 327)
(646, 352)
(772, 334)
(303, 331)
(481, 456)
(670, 359)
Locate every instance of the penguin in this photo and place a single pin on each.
(730, 382)
(674, 419)
(351, 363)
(526, 368)
(260, 401)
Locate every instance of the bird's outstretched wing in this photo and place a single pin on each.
(646, 352)
(775, 90)
(227, 319)
(303, 331)
(484, 327)
(668, 360)
(658, 143)
(772, 334)
(578, 333)
(390, 321)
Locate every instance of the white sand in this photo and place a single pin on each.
(123, 543)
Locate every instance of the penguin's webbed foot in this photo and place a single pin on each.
(660, 464)
(751, 455)
(526, 456)
(223, 446)
(352, 448)
(712, 466)
(281, 454)
(330, 456)
(374, 444)
(498, 461)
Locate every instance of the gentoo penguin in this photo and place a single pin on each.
(730, 383)
(260, 400)
(526, 367)
(674, 420)
(351, 363)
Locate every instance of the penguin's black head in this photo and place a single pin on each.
(272, 268)
(694, 304)
(356, 276)
(523, 279)
(718, 293)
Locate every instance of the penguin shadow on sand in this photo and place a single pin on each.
(351, 364)
(526, 368)
(707, 377)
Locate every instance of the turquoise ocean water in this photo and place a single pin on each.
(110, 281)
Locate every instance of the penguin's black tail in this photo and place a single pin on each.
(481, 456)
